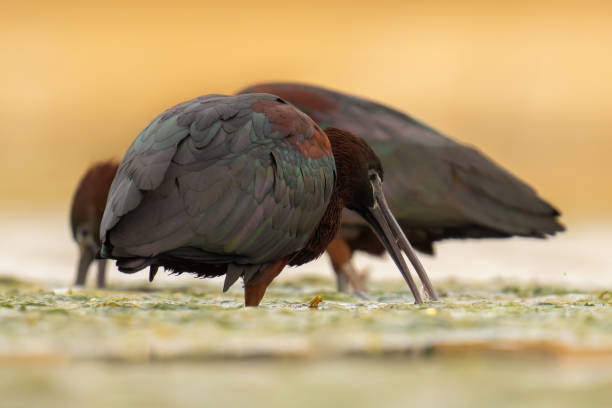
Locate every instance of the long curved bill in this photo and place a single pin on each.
(389, 232)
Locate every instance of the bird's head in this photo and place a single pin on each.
(358, 168)
(360, 177)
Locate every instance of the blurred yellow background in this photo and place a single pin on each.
(529, 83)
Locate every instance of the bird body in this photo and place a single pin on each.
(437, 188)
(192, 178)
(236, 185)
(85, 214)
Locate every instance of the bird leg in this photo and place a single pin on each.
(340, 256)
(255, 288)
(85, 259)
(342, 281)
(101, 273)
(356, 279)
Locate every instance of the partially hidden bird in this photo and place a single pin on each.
(242, 186)
(86, 212)
(437, 188)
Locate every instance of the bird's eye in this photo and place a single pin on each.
(373, 175)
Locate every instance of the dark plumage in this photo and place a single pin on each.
(85, 215)
(437, 188)
(242, 186)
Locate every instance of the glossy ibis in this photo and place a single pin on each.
(85, 215)
(242, 186)
(436, 187)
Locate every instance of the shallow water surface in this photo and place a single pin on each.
(198, 322)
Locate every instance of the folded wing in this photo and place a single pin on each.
(241, 179)
(437, 187)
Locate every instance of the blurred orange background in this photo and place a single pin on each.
(530, 84)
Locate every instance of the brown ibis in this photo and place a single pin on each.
(437, 188)
(85, 216)
(242, 186)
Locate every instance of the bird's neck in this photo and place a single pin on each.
(346, 163)
(324, 233)
(329, 225)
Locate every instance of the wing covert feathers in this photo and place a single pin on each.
(234, 179)
(432, 182)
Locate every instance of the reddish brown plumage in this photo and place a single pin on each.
(439, 188)
(299, 95)
(86, 213)
(326, 230)
(246, 181)
(284, 117)
(353, 157)
(90, 197)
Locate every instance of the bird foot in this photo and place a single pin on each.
(363, 295)
(349, 275)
